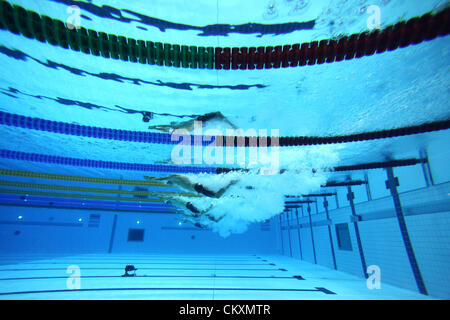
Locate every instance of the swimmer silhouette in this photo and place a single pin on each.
(185, 183)
(189, 125)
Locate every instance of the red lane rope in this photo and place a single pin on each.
(400, 35)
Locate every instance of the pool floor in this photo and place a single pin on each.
(202, 277)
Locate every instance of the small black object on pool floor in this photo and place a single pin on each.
(128, 269)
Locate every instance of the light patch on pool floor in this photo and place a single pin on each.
(202, 277)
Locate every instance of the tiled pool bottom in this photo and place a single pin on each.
(186, 277)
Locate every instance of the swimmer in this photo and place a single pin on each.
(196, 224)
(189, 125)
(188, 210)
(185, 183)
(185, 205)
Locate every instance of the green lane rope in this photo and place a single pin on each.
(45, 29)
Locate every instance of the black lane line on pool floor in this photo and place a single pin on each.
(150, 263)
(317, 289)
(190, 269)
(154, 259)
(162, 276)
(141, 259)
(136, 259)
(175, 261)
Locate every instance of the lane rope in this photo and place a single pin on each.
(19, 121)
(30, 24)
(65, 177)
(44, 158)
(75, 195)
(6, 183)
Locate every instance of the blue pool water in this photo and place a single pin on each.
(249, 243)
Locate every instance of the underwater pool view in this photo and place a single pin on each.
(196, 142)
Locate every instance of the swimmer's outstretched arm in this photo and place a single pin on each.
(195, 223)
(189, 124)
(163, 128)
(155, 178)
(212, 218)
(169, 177)
(185, 183)
(179, 211)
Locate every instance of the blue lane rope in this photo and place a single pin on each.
(34, 157)
(15, 120)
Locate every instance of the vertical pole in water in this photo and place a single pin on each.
(337, 201)
(355, 218)
(113, 231)
(281, 232)
(289, 232)
(369, 194)
(299, 238)
(312, 234)
(426, 168)
(392, 184)
(325, 205)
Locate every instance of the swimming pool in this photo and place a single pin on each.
(281, 149)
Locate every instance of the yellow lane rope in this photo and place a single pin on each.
(92, 190)
(43, 175)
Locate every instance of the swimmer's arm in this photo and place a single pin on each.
(212, 218)
(180, 212)
(204, 211)
(177, 202)
(160, 178)
(163, 128)
(224, 189)
(188, 125)
(151, 178)
(183, 180)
